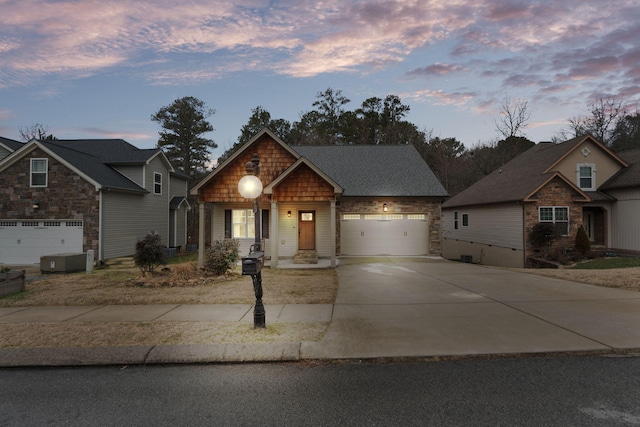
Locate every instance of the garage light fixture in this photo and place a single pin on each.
(288, 214)
(35, 206)
(384, 207)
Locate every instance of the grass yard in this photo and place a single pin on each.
(609, 263)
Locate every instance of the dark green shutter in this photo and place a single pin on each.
(265, 224)
(227, 223)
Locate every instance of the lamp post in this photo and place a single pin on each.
(250, 187)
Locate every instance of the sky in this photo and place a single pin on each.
(100, 69)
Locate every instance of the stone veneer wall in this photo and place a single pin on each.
(66, 196)
(555, 193)
(431, 206)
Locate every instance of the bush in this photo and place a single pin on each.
(543, 234)
(583, 245)
(222, 256)
(149, 252)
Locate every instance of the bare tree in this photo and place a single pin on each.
(604, 114)
(36, 131)
(513, 117)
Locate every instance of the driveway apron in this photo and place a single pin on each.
(411, 307)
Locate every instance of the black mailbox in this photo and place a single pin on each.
(253, 263)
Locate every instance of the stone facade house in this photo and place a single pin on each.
(579, 182)
(326, 201)
(70, 196)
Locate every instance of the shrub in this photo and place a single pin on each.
(543, 234)
(222, 256)
(149, 252)
(583, 245)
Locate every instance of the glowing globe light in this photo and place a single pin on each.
(250, 186)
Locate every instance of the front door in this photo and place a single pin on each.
(306, 230)
(587, 223)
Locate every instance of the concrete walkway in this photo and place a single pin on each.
(385, 307)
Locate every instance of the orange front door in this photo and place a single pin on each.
(306, 230)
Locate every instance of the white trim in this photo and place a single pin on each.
(592, 166)
(46, 172)
(155, 174)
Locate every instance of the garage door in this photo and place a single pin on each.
(380, 234)
(25, 241)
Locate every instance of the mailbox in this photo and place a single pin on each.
(252, 263)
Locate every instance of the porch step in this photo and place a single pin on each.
(305, 257)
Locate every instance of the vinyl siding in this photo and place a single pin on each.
(129, 217)
(134, 173)
(498, 225)
(4, 152)
(606, 167)
(625, 226)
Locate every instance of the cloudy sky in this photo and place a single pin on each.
(100, 69)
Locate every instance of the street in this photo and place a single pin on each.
(550, 391)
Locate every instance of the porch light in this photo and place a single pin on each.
(384, 207)
(288, 214)
(250, 187)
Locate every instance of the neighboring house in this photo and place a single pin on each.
(579, 182)
(70, 196)
(327, 200)
(8, 146)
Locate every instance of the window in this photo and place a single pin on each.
(455, 220)
(39, 172)
(243, 224)
(157, 183)
(465, 220)
(586, 176)
(558, 215)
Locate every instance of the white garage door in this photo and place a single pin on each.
(380, 234)
(25, 241)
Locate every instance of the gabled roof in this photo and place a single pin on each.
(520, 178)
(302, 161)
(627, 177)
(375, 170)
(10, 144)
(92, 159)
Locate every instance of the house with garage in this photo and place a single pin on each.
(573, 184)
(8, 146)
(70, 196)
(326, 201)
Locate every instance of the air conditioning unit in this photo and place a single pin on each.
(63, 263)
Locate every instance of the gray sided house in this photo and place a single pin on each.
(327, 201)
(8, 146)
(70, 196)
(579, 182)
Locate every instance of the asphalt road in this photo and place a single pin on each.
(559, 391)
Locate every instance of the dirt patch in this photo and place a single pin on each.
(123, 284)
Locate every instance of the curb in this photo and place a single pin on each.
(146, 355)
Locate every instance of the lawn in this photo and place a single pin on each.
(609, 263)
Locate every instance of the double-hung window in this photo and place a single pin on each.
(157, 183)
(243, 224)
(586, 176)
(558, 215)
(39, 172)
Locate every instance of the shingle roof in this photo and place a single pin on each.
(518, 178)
(10, 143)
(627, 177)
(92, 165)
(375, 170)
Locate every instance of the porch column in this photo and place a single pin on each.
(274, 235)
(333, 233)
(201, 241)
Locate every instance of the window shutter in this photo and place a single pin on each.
(265, 224)
(227, 223)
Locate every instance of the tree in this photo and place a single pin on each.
(513, 117)
(330, 108)
(37, 131)
(626, 134)
(394, 129)
(604, 113)
(260, 119)
(184, 122)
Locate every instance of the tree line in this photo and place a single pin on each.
(185, 121)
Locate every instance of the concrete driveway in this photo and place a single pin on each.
(407, 307)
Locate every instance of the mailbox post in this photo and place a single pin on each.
(250, 187)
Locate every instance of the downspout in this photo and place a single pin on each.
(201, 234)
(101, 228)
(524, 235)
(274, 234)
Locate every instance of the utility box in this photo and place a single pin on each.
(466, 258)
(253, 263)
(63, 263)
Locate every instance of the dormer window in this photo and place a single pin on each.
(586, 176)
